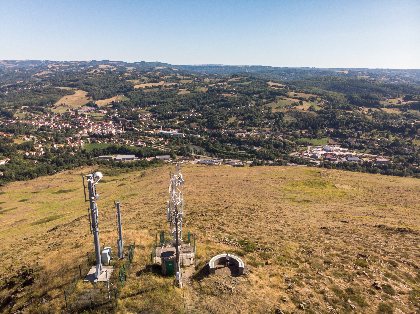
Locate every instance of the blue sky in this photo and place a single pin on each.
(346, 33)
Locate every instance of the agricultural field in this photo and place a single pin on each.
(395, 101)
(314, 141)
(302, 95)
(313, 240)
(108, 101)
(287, 103)
(76, 100)
(392, 110)
(148, 85)
(275, 85)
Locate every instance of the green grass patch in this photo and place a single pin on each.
(298, 199)
(280, 104)
(313, 141)
(414, 296)
(7, 210)
(313, 106)
(91, 146)
(254, 262)
(64, 191)
(247, 246)
(315, 183)
(361, 263)
(97, 116)
(46, 219)
(388, 289)
(355, 296)
(384, 308)
(349, 294)
(303, 190)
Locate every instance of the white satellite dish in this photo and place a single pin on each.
(97, 176)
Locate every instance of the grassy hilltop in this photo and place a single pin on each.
(312, 240)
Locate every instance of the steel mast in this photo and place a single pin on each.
(174, 214)
(92, 180)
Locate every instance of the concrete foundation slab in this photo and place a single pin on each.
(104, 276)
(186, 254)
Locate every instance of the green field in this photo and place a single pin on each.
(91, 146)
(313, 141)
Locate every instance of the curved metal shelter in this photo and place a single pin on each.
(232, 261)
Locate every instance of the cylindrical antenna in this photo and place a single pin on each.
(94, 222)
(120, 245)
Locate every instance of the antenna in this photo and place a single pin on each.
(84, 188)
(171, 256)
(119, 228)
(175, 212)
(92, 180)
(90, 220)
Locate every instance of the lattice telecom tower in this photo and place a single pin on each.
(175, 204)
(120, 244)
(175, 253)
(174, 215)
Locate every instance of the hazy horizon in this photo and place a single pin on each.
(211, 64)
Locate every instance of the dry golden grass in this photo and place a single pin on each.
(182, 91)
(304, 107)
(185, 81)
(392, 110)
(145, 85)
(394, 101)
(236, 79)
(148, 85)
(76, 100)
(301, 95)
(275, 85)
(281, 104)
(228, 95)
(107, 101)
(202, 89)
(312, 238)
(398, 101)
(42, 73)
(107, 66)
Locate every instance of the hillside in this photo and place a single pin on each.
(313, 240)
(51, 113)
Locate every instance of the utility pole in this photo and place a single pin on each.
(119, 227)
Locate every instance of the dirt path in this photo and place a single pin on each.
(188, 292)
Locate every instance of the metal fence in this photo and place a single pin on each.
(100, 296)
(161, 239)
